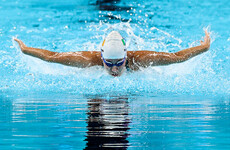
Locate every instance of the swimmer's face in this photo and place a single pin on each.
(115, 70)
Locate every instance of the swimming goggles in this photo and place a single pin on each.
(110, 64)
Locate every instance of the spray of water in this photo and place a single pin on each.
(196, 76)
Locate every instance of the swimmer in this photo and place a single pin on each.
(114, 55)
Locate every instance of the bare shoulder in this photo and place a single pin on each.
(80, 58)
(94, 57)
(139, 54)
(87, 54)
(139, 59)
(146, 58)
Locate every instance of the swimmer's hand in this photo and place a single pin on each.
(207, 40)
(21, 44)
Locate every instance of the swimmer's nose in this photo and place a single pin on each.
(114, 69)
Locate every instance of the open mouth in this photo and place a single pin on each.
(114, 74)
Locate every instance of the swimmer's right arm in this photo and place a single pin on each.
(76, 59)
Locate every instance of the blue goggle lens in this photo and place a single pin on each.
(118, 64)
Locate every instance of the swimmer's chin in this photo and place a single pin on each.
(118, 74)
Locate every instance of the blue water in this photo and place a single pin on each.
(51, 106)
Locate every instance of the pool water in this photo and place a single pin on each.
(51, 106)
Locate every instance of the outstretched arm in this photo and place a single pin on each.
(151, 58)
(193, 51)
(76, 59)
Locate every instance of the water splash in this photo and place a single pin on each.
(193, 77)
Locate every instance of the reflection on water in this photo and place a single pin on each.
(72, 122)
(107, 124)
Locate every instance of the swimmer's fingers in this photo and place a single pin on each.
(206, 39)
(17, 40)
(21, 44)
(201, 42)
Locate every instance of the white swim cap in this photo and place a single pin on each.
(113, 47)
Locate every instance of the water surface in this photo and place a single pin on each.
(51, 106)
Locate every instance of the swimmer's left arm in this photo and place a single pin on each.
(151, 58)
(186, 54)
